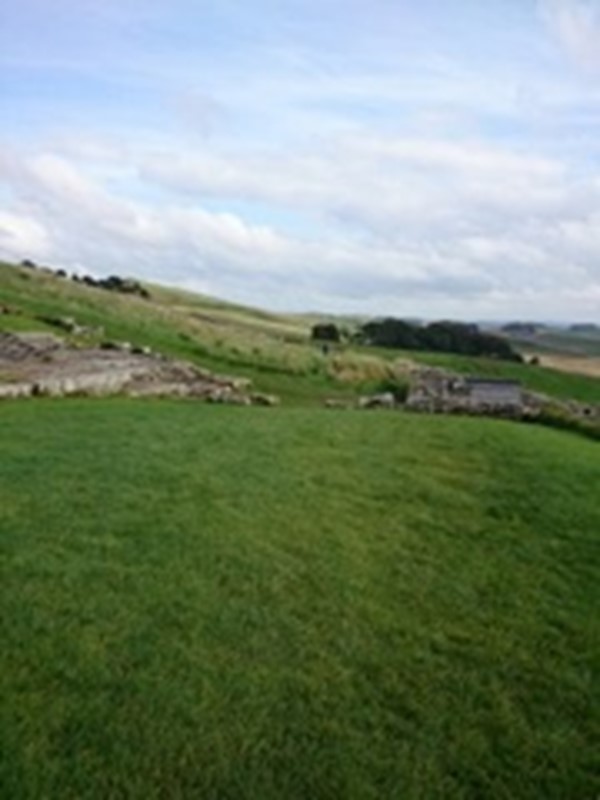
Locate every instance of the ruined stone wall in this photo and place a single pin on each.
(35, 365)
(437, 391)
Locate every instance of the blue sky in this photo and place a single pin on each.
(439, 158)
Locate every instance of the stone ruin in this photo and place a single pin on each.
(36, 365)
(437, 391)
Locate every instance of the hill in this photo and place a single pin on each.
(273, 350)
(576, 340)
(573, 349)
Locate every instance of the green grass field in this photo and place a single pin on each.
(229, 603)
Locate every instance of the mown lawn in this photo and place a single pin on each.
(215, 602)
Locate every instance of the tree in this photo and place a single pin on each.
(443, 337)
(325, 332)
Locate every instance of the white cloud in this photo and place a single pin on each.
(368, 177)
(20, 235)
(441, 234)
(576, 26)
(404, 194)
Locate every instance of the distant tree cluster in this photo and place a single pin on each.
(584, 327)
(443, 337)
(326, 332)
(112, 284)
(522, 328)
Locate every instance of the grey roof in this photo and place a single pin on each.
(493, 381)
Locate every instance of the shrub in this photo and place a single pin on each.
(395, 386)
(553, 417)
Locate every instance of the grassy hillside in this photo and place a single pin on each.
(564, 342)
(241, 603)
(274, 350)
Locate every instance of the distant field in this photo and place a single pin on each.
(574, 364)
(237, 603)
(561, 342)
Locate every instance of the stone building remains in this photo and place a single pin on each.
(439, 392)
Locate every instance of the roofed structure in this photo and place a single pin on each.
(437, 391)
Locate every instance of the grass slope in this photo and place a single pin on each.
(273, 350)
(561, 342)
(242, 603)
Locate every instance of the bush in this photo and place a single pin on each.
(398, 388)
(553, 417)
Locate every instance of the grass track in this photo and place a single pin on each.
(235, 603)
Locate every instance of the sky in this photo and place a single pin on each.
(433, 159)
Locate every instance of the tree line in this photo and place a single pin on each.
(443, 337)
